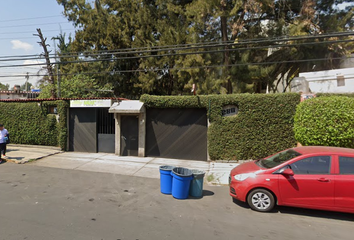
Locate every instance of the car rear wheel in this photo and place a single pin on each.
(261, 200)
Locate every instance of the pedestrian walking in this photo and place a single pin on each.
(4, 137)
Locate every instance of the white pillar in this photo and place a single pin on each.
(142, 132)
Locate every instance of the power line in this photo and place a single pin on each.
(202, 45)
(212, 44)
(35, 24)
(1, 33)
(17, 38)
(21, 19)
(26, 57)
(181, 68)
(225, 43)
(164, 55)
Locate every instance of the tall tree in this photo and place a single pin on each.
(78, 86)
(126, 42)
(104, 27)
(49, 66)
(230, 21)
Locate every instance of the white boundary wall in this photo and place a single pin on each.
(327, 81)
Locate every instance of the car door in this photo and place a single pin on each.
(344, 183)
(311, 185)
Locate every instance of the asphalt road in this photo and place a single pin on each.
(48, 203)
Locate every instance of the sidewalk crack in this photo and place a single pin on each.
(143, 166)
(94, 159)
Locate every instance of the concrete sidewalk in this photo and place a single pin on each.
(217, 173)
(18, 153)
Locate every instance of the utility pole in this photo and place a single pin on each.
(58, 74)
(27, 77)
(26, 88)
(49, 65)
(224, 37)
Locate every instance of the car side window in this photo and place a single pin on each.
(312, 165)
(346, 165)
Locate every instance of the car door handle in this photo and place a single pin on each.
(323, 180)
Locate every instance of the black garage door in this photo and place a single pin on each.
(83, 130)
(176, 133)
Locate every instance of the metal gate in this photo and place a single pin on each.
(176, 133)
(106, 131)
(91, 130)
(83, 130)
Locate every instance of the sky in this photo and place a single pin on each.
(19, 20)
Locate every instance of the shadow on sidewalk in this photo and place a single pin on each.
(9, 149)
(206, 193)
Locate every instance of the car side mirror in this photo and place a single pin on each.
(288, 172)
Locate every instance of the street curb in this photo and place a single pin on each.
(29, 160)
(231, 161)
(34, 146)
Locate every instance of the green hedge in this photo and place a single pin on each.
(335, 94)
(62, 107)
(263, 125)
(29, 123)
(327, 120)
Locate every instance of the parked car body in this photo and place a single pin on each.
(313, 177)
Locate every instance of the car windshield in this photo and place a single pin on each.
(279, 158)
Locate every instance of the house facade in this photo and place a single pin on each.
(331, 81)
(14, 94)
(339, 80)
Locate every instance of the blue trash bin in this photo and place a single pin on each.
(181, 182)
(196, 188)
(166, 179)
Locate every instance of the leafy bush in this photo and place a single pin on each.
(263, 125)
(76, 86)
(62, 107)
(325, 121)
(29, 123)
(335, 94)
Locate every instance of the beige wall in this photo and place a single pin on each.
(13, 95)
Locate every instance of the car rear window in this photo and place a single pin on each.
(346, 165)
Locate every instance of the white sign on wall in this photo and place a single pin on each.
(94, 103)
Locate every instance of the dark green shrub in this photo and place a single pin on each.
(335, 94)
(263, 125)
(325, 121)
(62, 129)
(30, 123)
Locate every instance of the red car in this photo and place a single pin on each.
(308, 177)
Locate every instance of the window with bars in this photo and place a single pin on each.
(105, 121)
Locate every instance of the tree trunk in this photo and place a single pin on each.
(226, 53)
(49, 65)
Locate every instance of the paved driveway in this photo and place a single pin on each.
(50, 203)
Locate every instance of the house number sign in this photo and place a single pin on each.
(229, 110)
